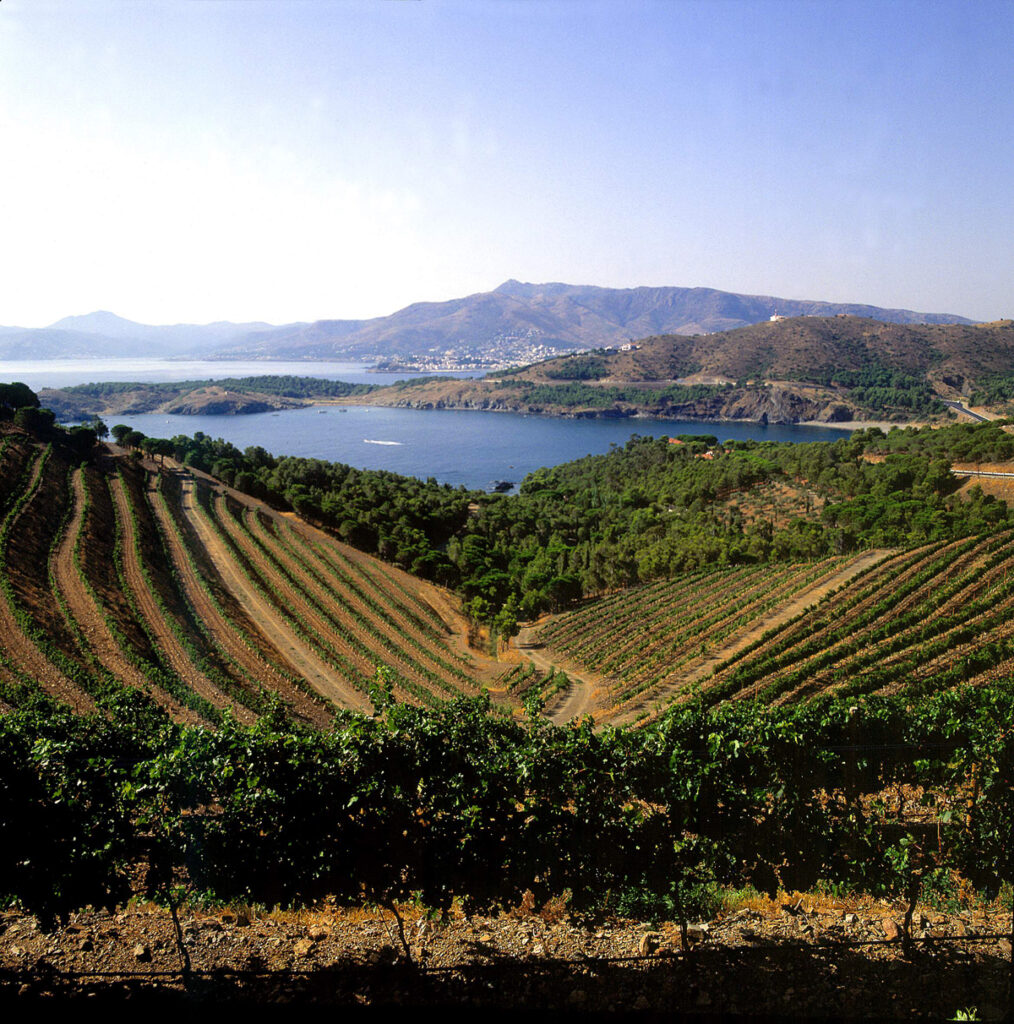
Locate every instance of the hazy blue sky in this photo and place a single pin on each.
(287, 160)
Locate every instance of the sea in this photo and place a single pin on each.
(463, 448)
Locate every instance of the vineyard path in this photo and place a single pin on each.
(86, 613)
(583, 682)
(316, 671)
(742, 638)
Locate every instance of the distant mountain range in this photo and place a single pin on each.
(106, 335)
(516, 322)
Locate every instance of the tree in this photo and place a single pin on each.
(17, 396)
(34, 420)
(506, 621)
(120, 432)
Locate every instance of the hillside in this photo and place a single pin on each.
(888, 622)
(523, 321)
(826, 369)
(164, 581)
(513, 323)
(830, 621)
(105, 335)
(152, 574)
(822, 369)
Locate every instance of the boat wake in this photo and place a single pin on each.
(367, 440)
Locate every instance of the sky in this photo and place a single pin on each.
(290, 160)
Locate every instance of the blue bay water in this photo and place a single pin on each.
(456, 447)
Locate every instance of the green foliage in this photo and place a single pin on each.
(576, 368)
(459, 802)
(17, 396)
(281, 385)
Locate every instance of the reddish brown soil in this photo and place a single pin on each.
(18, 648)
(793, 957)
(238, 637)
(170, 646)
(81, 605)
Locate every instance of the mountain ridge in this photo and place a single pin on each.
(515, 322)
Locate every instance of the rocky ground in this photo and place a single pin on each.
(795, 957)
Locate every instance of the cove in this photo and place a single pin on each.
(459, 447)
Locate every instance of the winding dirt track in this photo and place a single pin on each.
(81, 605)
(289, 645)
(586, 684)
(577, 702)
(177, 657)
(23, 653)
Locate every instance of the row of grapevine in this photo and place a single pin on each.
(926, 620)
(224, 617)
(460, 803)
(644, 640)
(119, 578)
(344, 630)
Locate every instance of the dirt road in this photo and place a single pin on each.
(586, 684)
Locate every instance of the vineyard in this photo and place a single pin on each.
(202, 696)
(164, 581)
(920, 621)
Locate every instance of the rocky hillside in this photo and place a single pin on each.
(519, 320)
(828, 369)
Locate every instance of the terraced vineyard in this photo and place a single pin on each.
(923, 621)
(926, 619)
(116, 576)
(644, 642)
